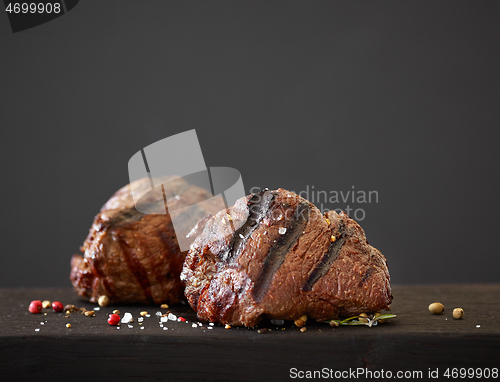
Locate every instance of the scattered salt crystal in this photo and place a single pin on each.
(42, 323)
(161, 325)
(199, 323)
(210, 327)
(142, 327)
(242, 236)
(211, 324)
(140, 319)
(131, 326)
(117, 327)
(97, 308)
(194, 325)
(478, 326)
(280, 217)
(148, 315)
(127, 317)
(158, 314)
(282, 230)
(172, 317)
(37, 330)
(165, 328)
(164, 319)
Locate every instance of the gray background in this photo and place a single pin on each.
(397, 97)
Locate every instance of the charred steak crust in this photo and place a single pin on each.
(133, 257)
(274, 255)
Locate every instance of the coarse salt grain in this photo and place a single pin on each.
(282, 230)
(148, 315)
(164, 319)
(165, 328)
(117, 327)
(140, 319)
(194, 325)
(158, 314)
(210, 327)
(127, 317)
(131, 326)
(161, 325)
(211, 324)
(478, 326)
(42, 323)
(199, 324)
(97, 308)
(37, 330)
(142, 327)
(172, 317)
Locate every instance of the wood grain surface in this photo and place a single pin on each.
(92, 349)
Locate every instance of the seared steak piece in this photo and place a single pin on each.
(274, 255)
(133, 257)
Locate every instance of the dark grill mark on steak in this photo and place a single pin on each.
(367, 274)
(123, 217)
(136, 267)
(258, 205)
(280, 249)
(98, 274)
(328, 258)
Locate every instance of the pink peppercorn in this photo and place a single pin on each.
(113, 319)
(35, 306)
(182, 319)
(57, 306)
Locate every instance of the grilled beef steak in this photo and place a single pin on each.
(133, 257)
(274, 255)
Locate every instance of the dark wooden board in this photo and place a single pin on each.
(415, 341)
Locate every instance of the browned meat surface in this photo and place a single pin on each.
(133, 257)
(274, 255)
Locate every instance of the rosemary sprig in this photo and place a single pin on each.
(355, 320)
